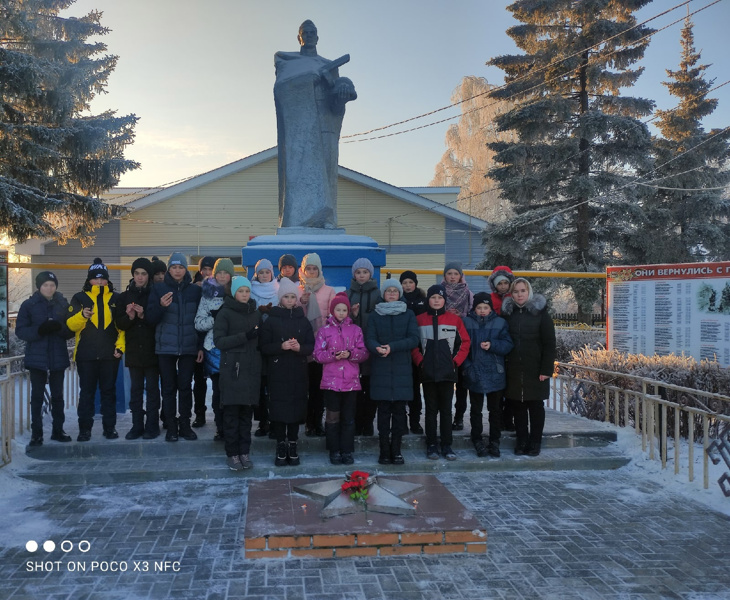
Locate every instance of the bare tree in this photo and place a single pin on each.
(468, 159)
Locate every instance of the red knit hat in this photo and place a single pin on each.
(340, 298)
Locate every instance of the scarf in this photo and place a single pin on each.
(457, 296)
(391, 308)
(312, 284)
(265, 291)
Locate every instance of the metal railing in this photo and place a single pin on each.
(658, 412)
(15, 400)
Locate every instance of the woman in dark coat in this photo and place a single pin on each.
(392, 334)
(41, 324)
(415, 299)
(286, 340)
(139, 356)
(235, 334)
(530, 364)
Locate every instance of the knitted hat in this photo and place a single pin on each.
(177, 258)
(224, 264)
(97, 271)
(312, 259)
(340, 298)
(391, 283)
(206, 261)
(142, 263)
(482, 298)
(158, 266)
(436, 290)
(286, 286)
(288, 260)
(44, 276)
(454, 264)
(264, 263)
(408, 275)
(363, 263)
(237, 282)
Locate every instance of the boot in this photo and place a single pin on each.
(292, 455)
(151, 429)
(137, 430)
(384, 458)
(493, 448)
(481, 449)
(36, 440)
(395, 454)
(281, 449)
(186, 431)
(171, 426)
(263, 429)
(84, 435)
(59, 435)
(520, 447)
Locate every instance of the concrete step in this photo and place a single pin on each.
(165, 468)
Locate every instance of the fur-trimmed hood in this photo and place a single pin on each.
(534, 305)
(501, 270)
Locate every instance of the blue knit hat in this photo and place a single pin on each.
(177, 258)
(391, 283)
(237, 282)
(264, 263)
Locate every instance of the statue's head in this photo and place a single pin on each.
(308, 34)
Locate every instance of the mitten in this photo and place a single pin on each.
(253, 334)
(49, 327)
(264, 308)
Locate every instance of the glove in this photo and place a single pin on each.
(49, 327)
(253, 334)
(264, 308)
(214, 313)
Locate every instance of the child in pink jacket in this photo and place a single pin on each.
(339, 348)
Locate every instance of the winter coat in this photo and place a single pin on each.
(46, 352)
(391, 377)
(334, 337)
(367, 296)
(235, 334)
(323, 296)
(443, 345)
(484, 370)
(96, 337)
(210, 303)
(416, 301)
(497, 298)
(533, 334)
(139, 332)
(175, 333)
(287, 370)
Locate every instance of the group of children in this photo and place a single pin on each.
(295, 342)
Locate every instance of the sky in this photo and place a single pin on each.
(200, 75)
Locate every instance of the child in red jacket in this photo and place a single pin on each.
(444, 346)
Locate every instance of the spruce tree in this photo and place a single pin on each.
(54, 154)
(578, 138)
(690, 211)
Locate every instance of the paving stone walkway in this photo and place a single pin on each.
(564, 535)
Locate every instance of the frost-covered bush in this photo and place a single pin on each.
(575, 340)
(684, 371)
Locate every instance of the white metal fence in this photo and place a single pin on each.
(15, 400)
(658, 412)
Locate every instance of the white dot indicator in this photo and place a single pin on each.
(49, 546)
(31, 546)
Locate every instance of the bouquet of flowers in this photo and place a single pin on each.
(356, 485)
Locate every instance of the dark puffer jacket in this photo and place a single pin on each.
(45, 352)
(235, 334)
(416, 301)
(391, 377)
(175, 333)
(139, 332)
(533, 334)
(367, 296)
(484, 370)
(287, 370)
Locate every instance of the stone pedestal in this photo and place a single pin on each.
(337, 250)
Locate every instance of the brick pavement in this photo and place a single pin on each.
(564, 535)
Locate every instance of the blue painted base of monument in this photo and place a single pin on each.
(338, 252)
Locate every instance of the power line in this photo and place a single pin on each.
(523, 92)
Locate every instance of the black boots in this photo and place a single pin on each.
(292, 455)
(137, 430)
(59, 435)
(171, 426)
(281, 454)
(36, 440)
(384, 458)
(395, 454)
(186, 431)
